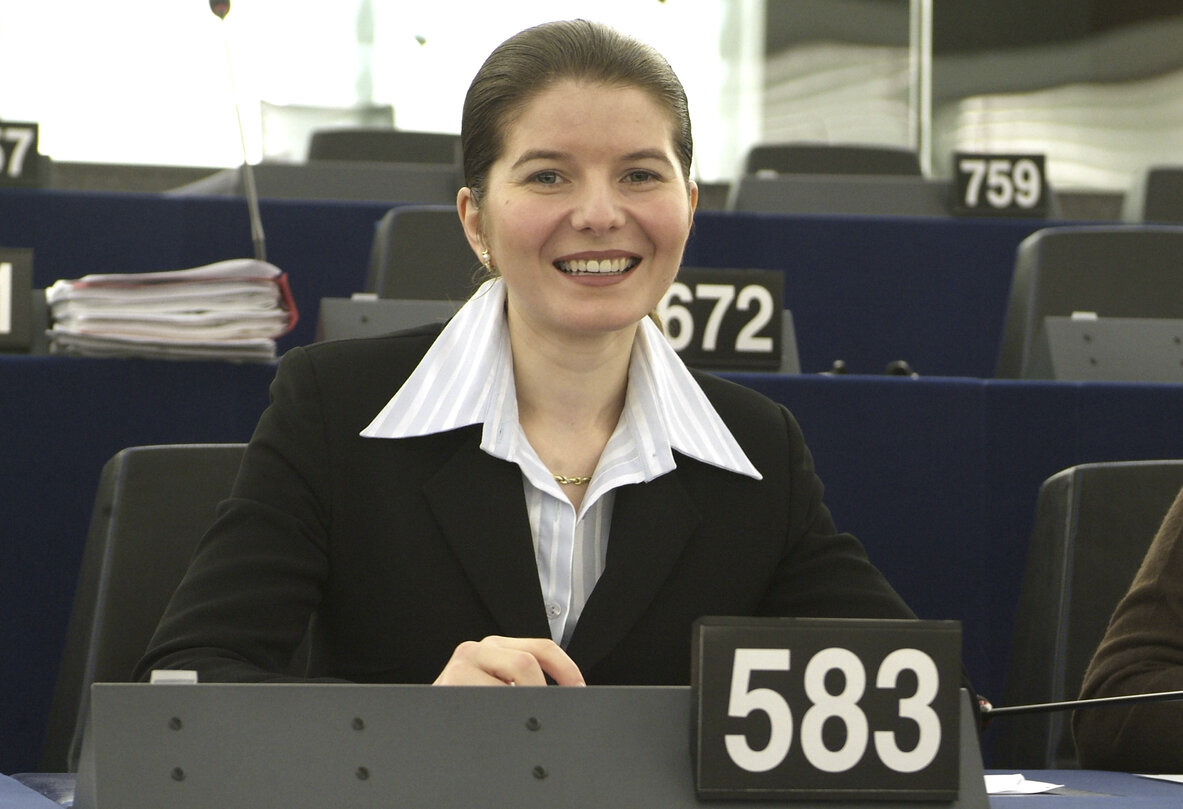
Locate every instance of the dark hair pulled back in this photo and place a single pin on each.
(533, 60)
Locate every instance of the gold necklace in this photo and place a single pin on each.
(576, 481)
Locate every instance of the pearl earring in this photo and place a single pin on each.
(486, 260)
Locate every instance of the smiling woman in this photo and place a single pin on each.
(586, 212)
(538, 490)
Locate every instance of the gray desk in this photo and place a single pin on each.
(1083, 789)
(1093, 789)
(294, 745)
(1117, 349)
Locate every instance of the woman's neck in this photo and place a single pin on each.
(570, 395)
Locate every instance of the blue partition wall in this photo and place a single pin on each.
(872, 290)
(866, 290)
(936, 476)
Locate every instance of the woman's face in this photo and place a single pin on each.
(586, 212)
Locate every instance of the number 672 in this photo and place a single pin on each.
(680, 320)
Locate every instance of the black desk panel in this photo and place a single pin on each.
(938, 477)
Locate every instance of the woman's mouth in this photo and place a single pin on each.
(605, 266)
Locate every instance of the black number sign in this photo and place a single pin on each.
(16, 279)
(844, 709)
(1000, 185)
(724, 318)
(20, 164)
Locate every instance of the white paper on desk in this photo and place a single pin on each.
(200, 326)
(1174, 779)
(219, 270)
(185, 295)
(258, 349)
(1016, 784)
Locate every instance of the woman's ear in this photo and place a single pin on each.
(470, 219)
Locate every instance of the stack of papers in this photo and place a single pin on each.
(229, 310)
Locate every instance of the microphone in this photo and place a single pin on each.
(989, 711)
(221, 8)
(900, 368)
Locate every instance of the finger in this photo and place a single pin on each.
(514, 661)
(463, 674)
(469, 665)
(549, 658)
(492, 661)
(556, 663)
(511, 661)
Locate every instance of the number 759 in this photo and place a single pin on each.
(1005, 183)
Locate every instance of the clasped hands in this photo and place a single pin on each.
(497, 660)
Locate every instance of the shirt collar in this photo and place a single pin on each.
(456, 382)
(692, 425)
(452, 385)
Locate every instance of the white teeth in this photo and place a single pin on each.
(606, 266)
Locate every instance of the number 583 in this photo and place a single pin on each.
(826, 706)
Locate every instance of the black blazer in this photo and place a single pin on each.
(399, 549)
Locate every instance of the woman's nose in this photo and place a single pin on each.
(597, 208)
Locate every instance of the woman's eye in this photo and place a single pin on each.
(640, 176)
(546, 177)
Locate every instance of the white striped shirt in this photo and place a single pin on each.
(466, 377)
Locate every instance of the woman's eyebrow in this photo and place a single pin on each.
(649, 154)
(552, 154)
(539, 154)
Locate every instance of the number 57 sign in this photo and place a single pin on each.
(847, 709)
(19, 162)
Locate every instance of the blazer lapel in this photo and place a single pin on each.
(478, 501)
(651, 523)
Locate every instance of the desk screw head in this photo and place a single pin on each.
(359, 723)
(178, 774)
(540, 772)
(363, 774)
(533, 724)
(175, 723)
